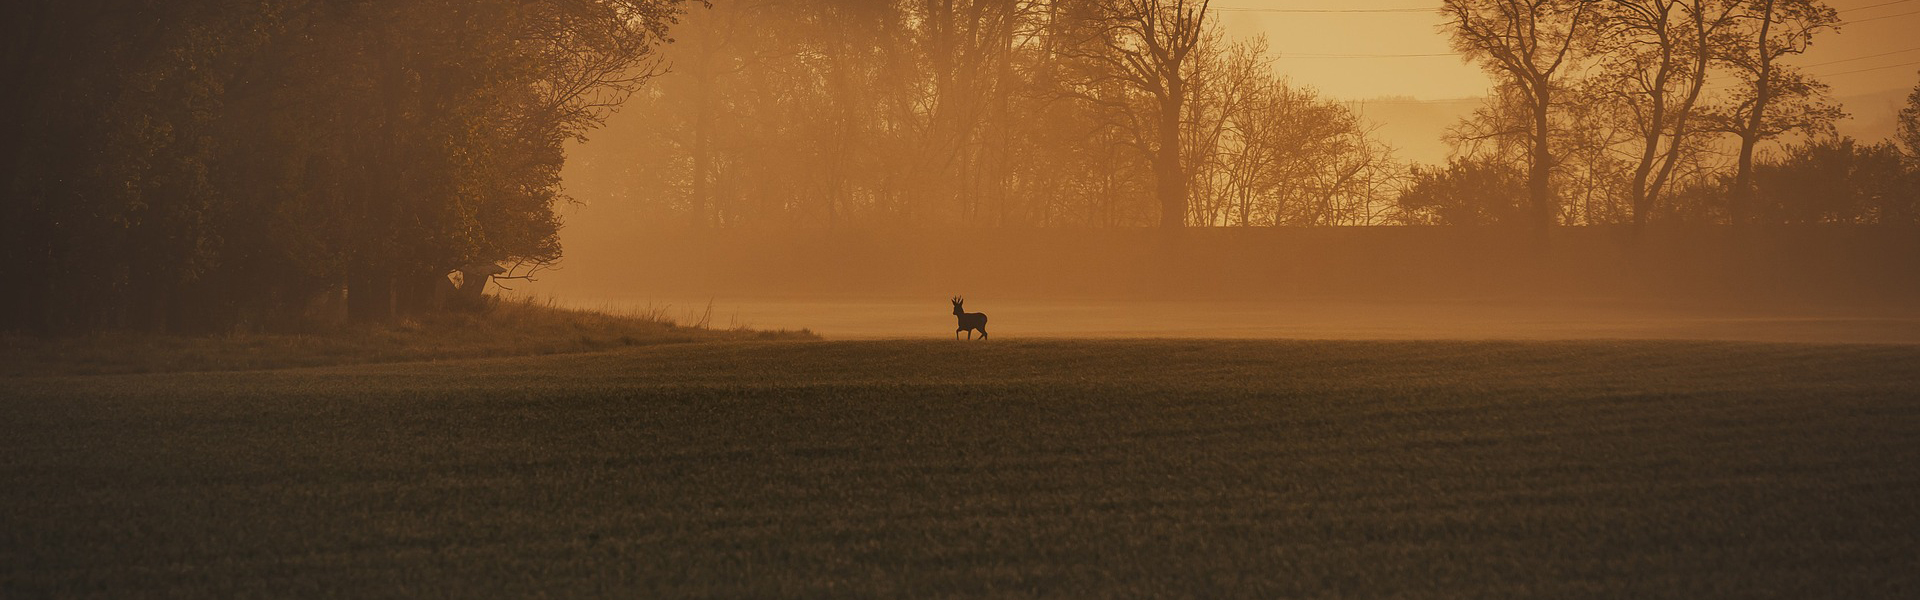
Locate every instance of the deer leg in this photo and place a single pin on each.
(983, 333)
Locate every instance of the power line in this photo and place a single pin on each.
(1432, 10)
(1324, 10)
(1299, 55)
(1418, 101)
(1845, 60)
(1877, 5)
(1452, 54)
(1917, 12)
(1906, 64)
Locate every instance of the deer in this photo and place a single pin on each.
(968, 321)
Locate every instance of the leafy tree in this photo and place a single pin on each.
(1654, 58)
(1466, 192)
(1773, 98)
(205, 164)
(1907, 128)
(825, 113)
(1531, 46)
(1834, 179)
(1151, 46)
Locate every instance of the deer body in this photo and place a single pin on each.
(968, 321)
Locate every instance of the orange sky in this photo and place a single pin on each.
(1430, 77)
(1876, 27)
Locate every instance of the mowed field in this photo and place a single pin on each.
(1091, 468)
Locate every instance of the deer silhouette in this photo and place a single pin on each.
(968, 321)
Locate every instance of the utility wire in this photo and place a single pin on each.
(1301, 55)
(1324, 10)
(1917, 12)
(1877, 5)
(1417, 101)
(1906, 64)
(1433, 10)
(1846, 60)
(1314, 55)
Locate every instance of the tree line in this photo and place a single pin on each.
(210, 164)
(990, 113)
(1142, 113)
(1639, 111)
(205, 164)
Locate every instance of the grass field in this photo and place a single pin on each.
(1164, 468)
(517, 327)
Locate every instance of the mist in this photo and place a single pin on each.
(847, 168)
(1810, 284)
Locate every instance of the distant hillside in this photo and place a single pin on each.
(1415, 126)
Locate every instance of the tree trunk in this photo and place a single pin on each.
(371, 274)
(1642, 193)
(1170, 182)
(1544, 207)
(1739, 203)
(1684, 112)
(1742, 197)
(705, 212)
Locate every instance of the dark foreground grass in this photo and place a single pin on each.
(507, 328)
(1061, 468)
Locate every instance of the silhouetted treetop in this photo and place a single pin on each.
(201, 164)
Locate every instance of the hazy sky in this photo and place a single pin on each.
(1307, 43)
(1871, 62)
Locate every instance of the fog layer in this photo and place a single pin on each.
(1784, 284)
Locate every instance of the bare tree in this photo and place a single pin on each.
(986, 112)
(966, 44)
(1655, 58)
(1774, 98)
(1227, 78)
(1288, 157)
(1150, 45)
(1529, 44)
(1599, 142)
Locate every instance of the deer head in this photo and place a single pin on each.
(957, 301)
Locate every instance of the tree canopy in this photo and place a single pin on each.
(205, 164)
